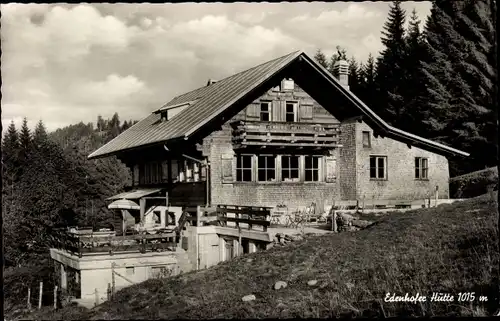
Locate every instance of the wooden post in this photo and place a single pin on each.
(55, 297)
(363, 208)
(142, 203)
(124, 221)
(96, 294)
(437, 195)
(113, 278)
(198, 216)
(40, 296)
(334, 223)
(239, 241)
(29, 298)
(108, 293)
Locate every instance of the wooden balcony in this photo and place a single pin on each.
(108, 243)
(281, 135)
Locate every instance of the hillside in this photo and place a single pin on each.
(449, 249)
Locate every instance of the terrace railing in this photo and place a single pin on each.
(249, 215)
(84, 244)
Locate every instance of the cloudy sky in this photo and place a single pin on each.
(69, 63)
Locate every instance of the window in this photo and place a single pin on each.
(312, 168)
(151, 173)
(378, 167)
(421, 168)
(266, 168)
(157, 217)
(160, 272)
(130, 270)
(265, 111)
(244, 168)
(291, 112)
(366, 139)
(290, 168)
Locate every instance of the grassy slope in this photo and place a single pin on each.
(447, 249)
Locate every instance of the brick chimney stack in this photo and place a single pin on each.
(341, 69)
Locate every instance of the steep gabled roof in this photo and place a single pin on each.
(207, 102)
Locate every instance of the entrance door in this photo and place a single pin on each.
(229, 249)
(245, 244)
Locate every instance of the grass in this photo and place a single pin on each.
(449, 249)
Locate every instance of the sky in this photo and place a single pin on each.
(65, 63)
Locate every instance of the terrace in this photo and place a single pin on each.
(84, 241)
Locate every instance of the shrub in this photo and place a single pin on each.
(474, 184)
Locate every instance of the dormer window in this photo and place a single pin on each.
(168, 112)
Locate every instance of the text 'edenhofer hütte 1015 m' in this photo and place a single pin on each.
(283, 132)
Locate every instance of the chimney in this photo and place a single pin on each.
(341, 70)
(211, 81)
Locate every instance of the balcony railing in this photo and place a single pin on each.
(107, 242)
(280, 134)
(249, 216)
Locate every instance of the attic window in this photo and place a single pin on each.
(168, 112)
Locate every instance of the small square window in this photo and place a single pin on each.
(421, 168)
(290, 168)
(291, 112)
(244, 168)
(130, 270)
(266, 167)
(378, 167)
(265, 111)
(366, 139)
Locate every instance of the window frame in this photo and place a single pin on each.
(295, 111)
(151, 173)
(368, 139)
(377, 178)
(242, 168)
(268, 112)
(266, 168)
(289, 169)
(319, 169)
(420, 169)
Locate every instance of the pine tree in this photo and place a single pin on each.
(390, 66)
(10, 165)
(25, 138)
(40, 135)
(457, 74)
(354, 76)
(321, 58)
(412, 117)
(367, 91)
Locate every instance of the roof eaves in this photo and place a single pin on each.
(369, 113)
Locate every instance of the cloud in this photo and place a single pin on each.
(113, 90)
(67, 63)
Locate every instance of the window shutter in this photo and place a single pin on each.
(306, 112)
(277, 110)
(136, 174)
(330, 169)
(253, 111)
(164, 171)
(227, 168)
(175, 170)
